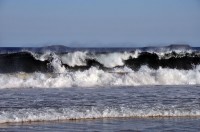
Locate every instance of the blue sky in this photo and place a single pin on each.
(94, 23)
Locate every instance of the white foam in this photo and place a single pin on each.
(42, 57)
(57, 64)
(77, 58)
(111, 60)
(95, 77)
(49, 114)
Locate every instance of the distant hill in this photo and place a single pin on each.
(56, 47)
(179, 46)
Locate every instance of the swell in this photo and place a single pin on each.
(30, 62)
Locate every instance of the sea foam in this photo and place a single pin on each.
(95, 77)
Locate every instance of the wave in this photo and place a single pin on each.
(76, 113)
(61, 67)
(29, 61)
(95, 77)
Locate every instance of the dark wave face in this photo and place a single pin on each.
(174, 61)
(47, 59)
(22, 62)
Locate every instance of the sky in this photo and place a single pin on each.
(99, 23)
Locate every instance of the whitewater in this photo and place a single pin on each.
(58, 83)
(95, 77)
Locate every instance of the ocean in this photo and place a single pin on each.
(58, 88)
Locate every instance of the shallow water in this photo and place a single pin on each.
(107, 125)
(145, 108)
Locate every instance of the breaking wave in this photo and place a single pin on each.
(49, 61)
(97, 77)
(99, 67)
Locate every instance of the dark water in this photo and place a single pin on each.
(141, 108)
